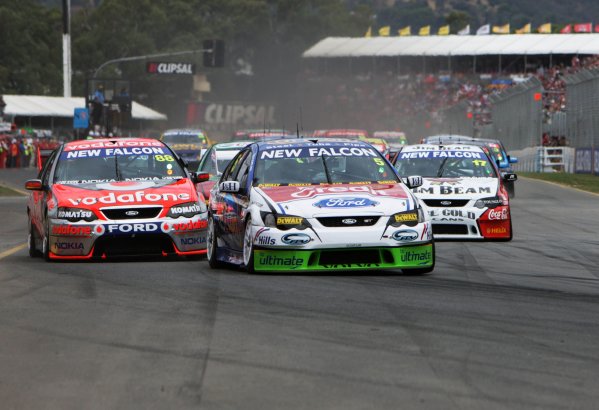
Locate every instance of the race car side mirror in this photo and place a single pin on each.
(34, 185)
(199, 177)
(229, 186)
(512, 160)
(413, 181)
(510, 177)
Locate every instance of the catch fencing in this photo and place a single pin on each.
(582, 107)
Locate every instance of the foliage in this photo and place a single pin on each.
(580, 181)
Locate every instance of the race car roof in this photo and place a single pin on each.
(441, 147)
(311, 142)
(184, 131)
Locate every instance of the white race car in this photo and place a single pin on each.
(316, 205)
(462, 191)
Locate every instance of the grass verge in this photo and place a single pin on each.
(6, 191)
(581, 181)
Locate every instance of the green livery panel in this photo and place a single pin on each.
(418, 256)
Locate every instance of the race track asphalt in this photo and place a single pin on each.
(495, 326)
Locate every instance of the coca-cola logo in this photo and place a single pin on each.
(498, 215)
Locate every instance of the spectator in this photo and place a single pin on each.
(98, 104)
(13, 154)
(2, 107)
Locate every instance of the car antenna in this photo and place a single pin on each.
(297, 129)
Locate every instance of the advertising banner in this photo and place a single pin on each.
(584, 161)
(229, 116)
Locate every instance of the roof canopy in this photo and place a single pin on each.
(42, 106)
(454, 45)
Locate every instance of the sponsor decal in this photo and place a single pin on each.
(192, 241)
(110, 152)
(287, 261)
(131, 228)
(448, 190)
(134, 197)
(311, 191)
(71, 230)
(68, 245)
(407, 217)
(497, 215)
(132, 213)
(349, 221)
(406, 235)
(289, 220)
(417, 255)
(496, 230)
(318, 152)
(345, 202)
(265, 240)
(449, 214)
(446, 203)
(179, 209)
(296, 239)
(74, 214)
(186, 226)
(441, 154)
(112, 144)
(352, 265)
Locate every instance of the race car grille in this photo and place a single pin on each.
(132, 213)
(149, 244)
(355, 256)
(348, 221)
(450, 229)
(444, 203)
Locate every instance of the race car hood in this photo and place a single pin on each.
(343, 199)
(165, 192)
(465, 188)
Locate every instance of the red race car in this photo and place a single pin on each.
(109, 197)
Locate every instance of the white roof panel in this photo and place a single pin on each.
(45, 106)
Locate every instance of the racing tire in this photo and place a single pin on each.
(420, 271)
(248, 247)
(31, 242)
(212, 245)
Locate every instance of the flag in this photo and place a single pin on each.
(524, 30)
(567, 29)
(505, 29)
(443, 30)
(545, 28)
(385, 31)
(583, 28)
(424, 31)
(482, 30)
(406, 31)
(369, 32)
(465, 31)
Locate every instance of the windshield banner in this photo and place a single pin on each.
(111, 152)
(304, 152)
(441, 154)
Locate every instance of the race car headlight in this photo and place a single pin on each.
(284, 222)
(409, 218)
(76, 214)
(491, 202)
(186, 210)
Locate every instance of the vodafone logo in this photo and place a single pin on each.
(170, 68)
(134, 197)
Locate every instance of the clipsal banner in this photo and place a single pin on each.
(155, 67)
(228, 114)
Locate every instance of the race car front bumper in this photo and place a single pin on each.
(164, 236)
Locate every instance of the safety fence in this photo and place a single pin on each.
(582, 107)
(545, 159)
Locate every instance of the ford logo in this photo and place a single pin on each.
(345, 202)
(132, 213)
(348, 221)
(446, 203)
(296, 239)
(405, 235)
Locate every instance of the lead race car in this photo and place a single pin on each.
(316, 205)
(462, 191)
(115, 197)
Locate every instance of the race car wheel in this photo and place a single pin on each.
(32, 242)
(212, 245)
(248, 247)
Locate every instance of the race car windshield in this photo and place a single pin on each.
(108, 164)
(365, 165)
(445, 164)
(183, 139)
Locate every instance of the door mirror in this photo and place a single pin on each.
(34, 185)
(413, 181)
(512, 160)
(197, 177)
(229, 187)
(510, 177)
